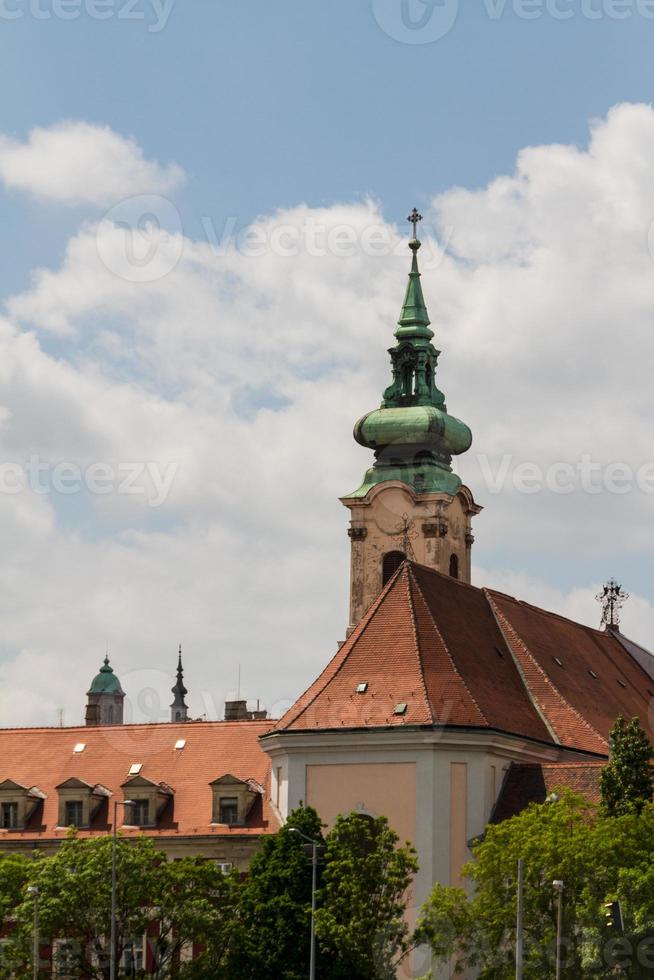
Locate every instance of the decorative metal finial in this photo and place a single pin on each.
(405, 532)
(613, 598)
(414, 218)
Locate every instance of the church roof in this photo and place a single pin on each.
(185, 757)
(434, 651)
(527, 783)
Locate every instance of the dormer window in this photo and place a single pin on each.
(79, 802)
(233, 799)
(9, 816)
(17, 804)
(73, 813)
(139, 814)
(150, 801)
(228, 810)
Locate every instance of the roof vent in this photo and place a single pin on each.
(180, 743)
(593, 674)
(135, 768)
(79, 747)
(557, 661)
(621, 683)
(362, 687)
(400, 708)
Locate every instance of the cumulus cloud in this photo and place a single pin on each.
(244, 368)
(80, 164)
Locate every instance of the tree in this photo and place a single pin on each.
(599, 859)
(14, 874)
(360, 921)
(190, 900)
(626, 782)
(271, 938)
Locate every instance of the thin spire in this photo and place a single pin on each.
(179, 707)
(414, 319)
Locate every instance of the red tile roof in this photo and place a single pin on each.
(44, 757)
(527, 783)
(462, 656)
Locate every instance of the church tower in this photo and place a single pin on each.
(179, 708)
(105, 698)
(410, 504)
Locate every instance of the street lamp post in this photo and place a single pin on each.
(314, 882)
(112, 948)
(558, 887)
(34, 892)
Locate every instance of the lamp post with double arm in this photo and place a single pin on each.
(112, 948)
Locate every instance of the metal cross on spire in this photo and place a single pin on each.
(613, 599)
(414, 218)
(405, 532)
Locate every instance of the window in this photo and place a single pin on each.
(228, 810)
(140, 813)
(391, 563)
(9, 816)
(73, 813)
(454, 566)
(132, 960)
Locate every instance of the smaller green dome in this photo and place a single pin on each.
(106, 681)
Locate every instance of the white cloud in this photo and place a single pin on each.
(247, 373)
(79, 163)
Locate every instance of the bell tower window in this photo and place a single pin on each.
(454, 566)
(391, 563)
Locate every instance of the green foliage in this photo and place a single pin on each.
(14, 875)
(626, 782)
(252, 929)
(360, 919)
(191, 900)
(599, 859)
(271, 938)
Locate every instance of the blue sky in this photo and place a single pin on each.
(268, 105)
(245, 375)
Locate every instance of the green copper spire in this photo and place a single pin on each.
(412, 434)
(414, 319)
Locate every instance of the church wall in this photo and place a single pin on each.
(437, 789)
(334, 789)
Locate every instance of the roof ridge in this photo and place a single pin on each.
(446, 649)
(182, 725)
(340, 655)
(545, 612)
(412, 581)
(501, 619)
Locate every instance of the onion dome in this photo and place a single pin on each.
(106, 681)
(412, 435)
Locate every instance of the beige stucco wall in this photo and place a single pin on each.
(336, 789)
